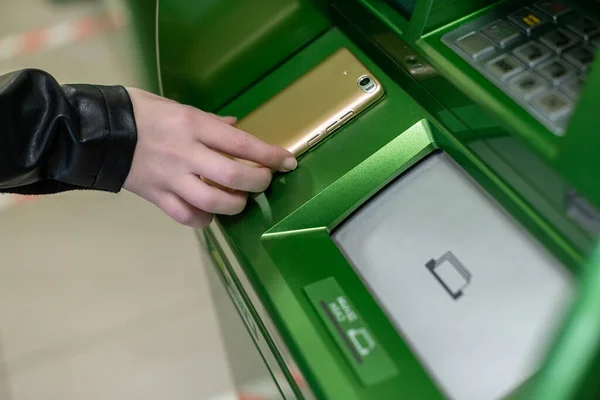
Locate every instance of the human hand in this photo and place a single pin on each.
(178, 144)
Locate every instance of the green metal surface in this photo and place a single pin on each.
(578, 157)
(571, 157)
(254, 325)
(509, 155)
(211, 50)
(573, 367)
(283, 238)
(485, 111)
(572, 370)
(444, 12)
(309, 227)
(300, 209)
(318, 170)
(483, 93)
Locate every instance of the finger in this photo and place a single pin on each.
(237, 143)
(229, 120)
(182, 212)
(229, 172)
(209, 198)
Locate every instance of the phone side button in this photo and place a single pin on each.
(314, 140)
(340, 122)
(333, 126)
(347, 116)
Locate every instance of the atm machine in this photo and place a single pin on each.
(440, 246)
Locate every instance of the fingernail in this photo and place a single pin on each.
(289, 164)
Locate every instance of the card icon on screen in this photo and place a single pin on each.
(450, 273)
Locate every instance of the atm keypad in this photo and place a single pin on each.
(581, 57)
(501, 32)
(505, 67)
(538, 54)
(532, 53)
(554, 9)
(585, 28)
(528, 84)
(528, 20)
(559, 40)
(573, 88)
(557, 71)
(553, 105)
(475, 45)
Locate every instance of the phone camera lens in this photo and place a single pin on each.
(367, 84)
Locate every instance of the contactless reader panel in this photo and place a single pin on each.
(473, 294)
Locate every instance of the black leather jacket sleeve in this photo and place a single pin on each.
(55, 138)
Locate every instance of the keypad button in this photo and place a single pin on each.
(475, 45)
(501, 32)
(532, 53)
(504, 67)
(581, 56)
(553, 105)
(557, 71)
(528, 85)
(585, 27)
(554, 9)
(559, 40)
(528, 20)
(573, 88)
(560, 126)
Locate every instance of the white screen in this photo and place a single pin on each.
(474, 295)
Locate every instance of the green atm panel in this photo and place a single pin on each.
(436, 246)
(212, 50)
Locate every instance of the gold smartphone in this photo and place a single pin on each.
(316, 105)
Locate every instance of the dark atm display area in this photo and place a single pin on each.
(404, 7)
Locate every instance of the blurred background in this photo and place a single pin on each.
(101, 296)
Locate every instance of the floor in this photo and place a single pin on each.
(101, 296)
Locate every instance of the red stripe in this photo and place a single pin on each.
(298, 378)
(86, 28)
(108, 22)
(118, 20)
(242, 396)
(23, 199)
(33, 41)
(83, 29)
